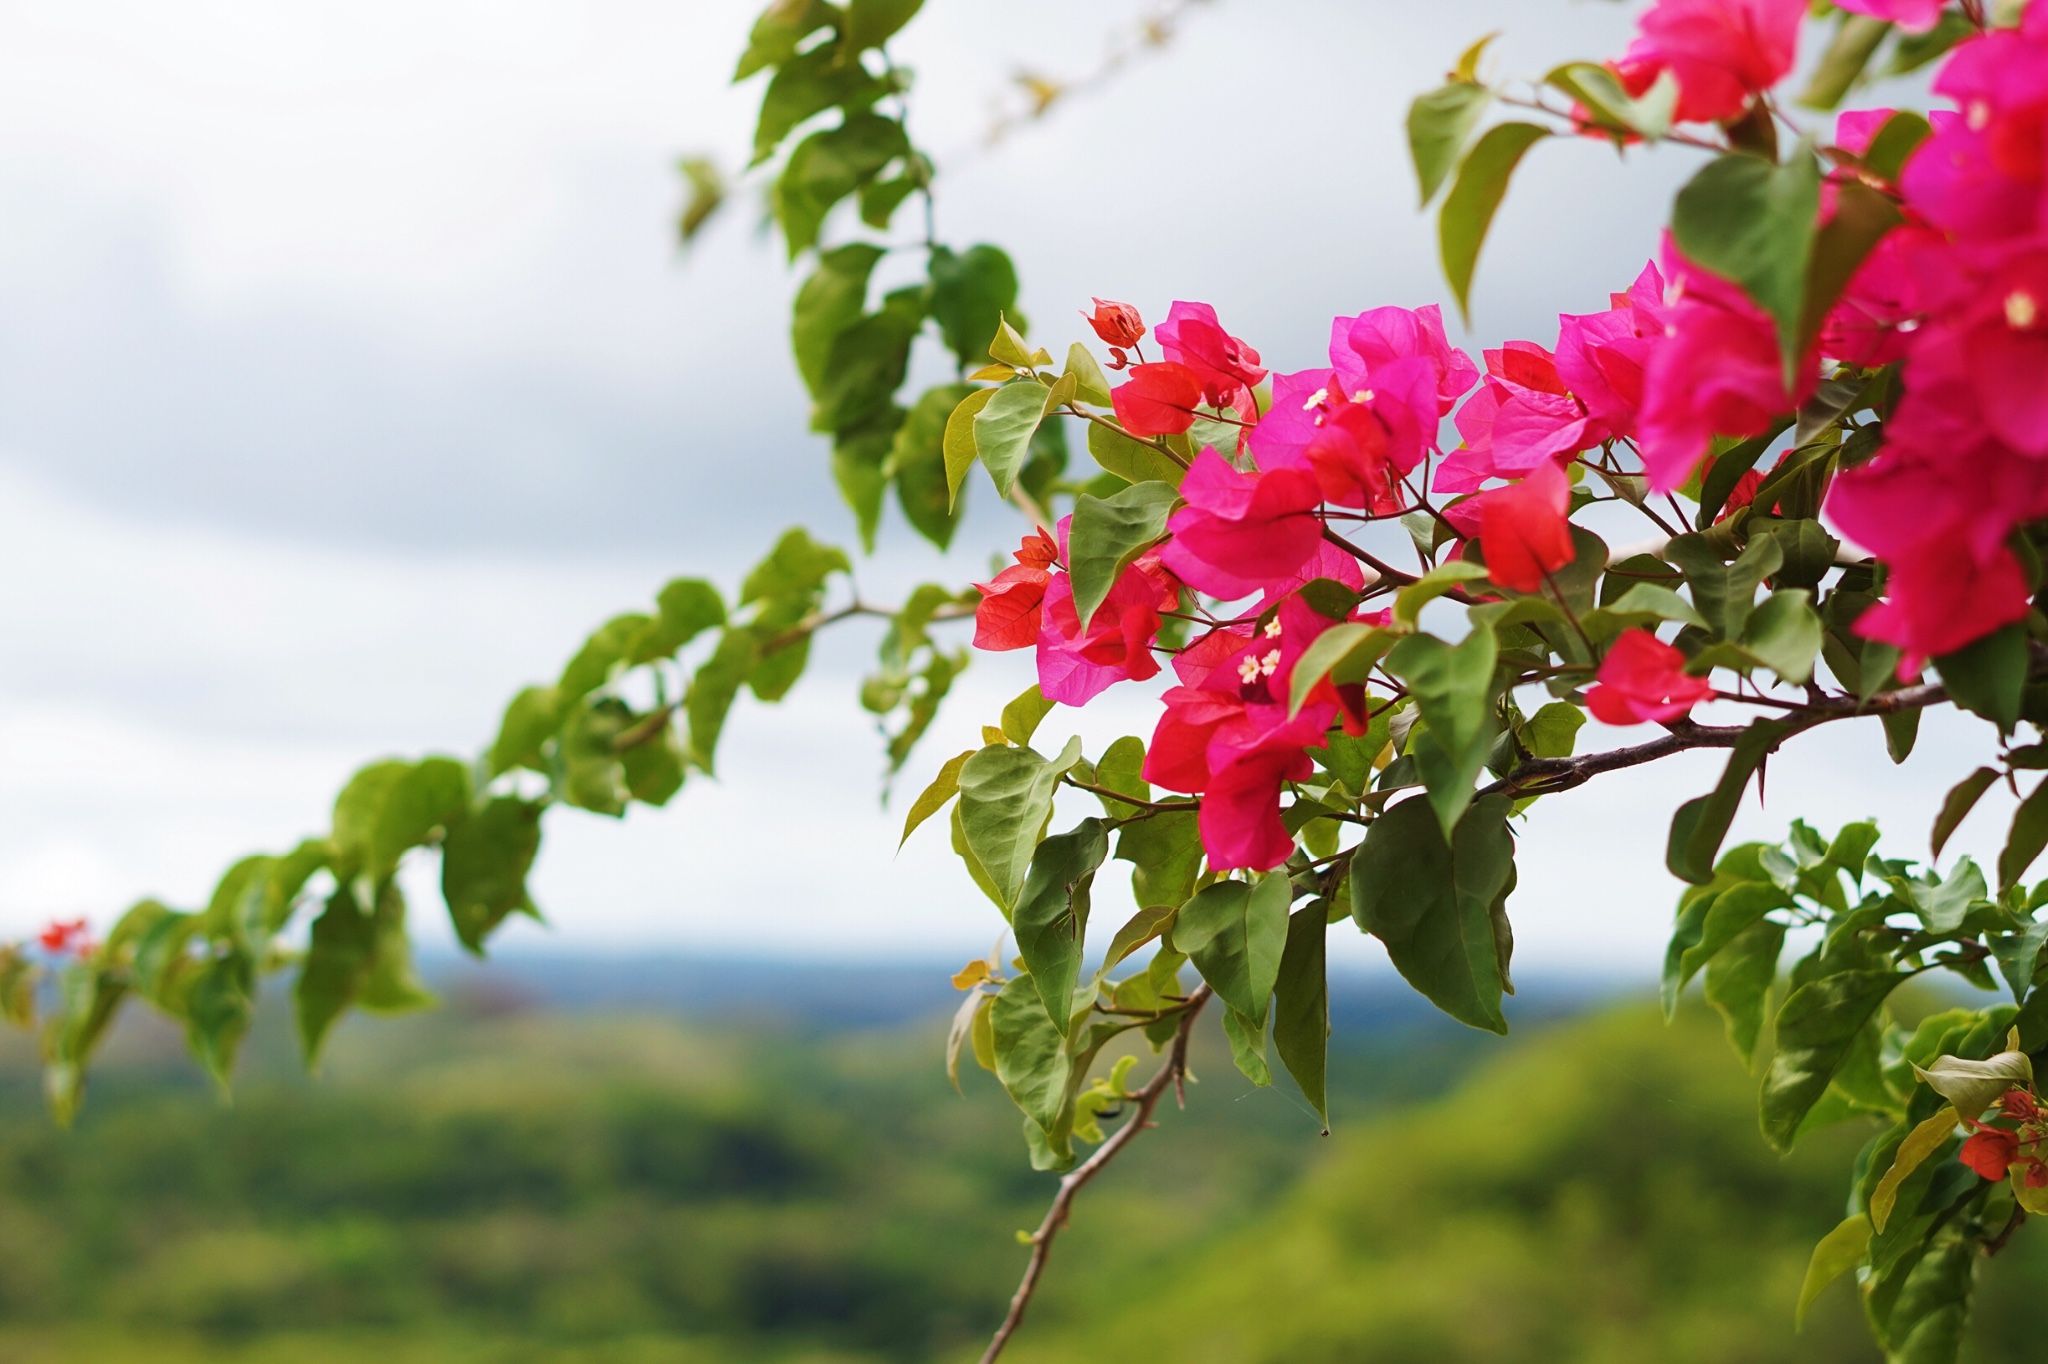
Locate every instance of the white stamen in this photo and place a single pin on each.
(1248, 669)
(1316, 400)
(2021, 310)
(1270, 664)
(1273, 628)
(1978, 116)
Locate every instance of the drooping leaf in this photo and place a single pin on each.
(1165, 853)
(2026, 839)
(1956, 806)
(1856, 40)
(1753, 221)
(1838, 1252)
(1923, 1141)
(828, 166)
(1051, 917)
(1454, 688)
(870, 23)
(830, 301)
(806, 85)
(1699, 825)
(1030, 1052)
(1784, 633)
(1817, 1025)
(1247, 1039)
(1440, 123)
(1468, 210)
(390, 807)
(1236, 935)
(1301, 1006)
(971, 292)
(1739, 980)
(1989, 677)
(866, 363)
(484, 864)
(1434, 903)
(1006, 796)
(1004, 427)
(1139, 929)
(1108, 534)
(1973, 1086)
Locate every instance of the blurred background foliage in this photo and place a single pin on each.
(522, 1177)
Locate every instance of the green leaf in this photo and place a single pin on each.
(1862, 217)
(1006, 796)
(1989, 677)
(1091, 385)
(390, 807)
(1453, 687)
(1553, 731)
(1301, 1006)
(1122, 769)
(1051, 918)
(1916, 50)
(917, 462)
(1739, 981)
(686, 608)
(1004, 427)
(860, 466)
(2028, 836)
(1475, 196)
(828, 166)
(337, 963)
(530, 721)
(805, 86)
(1437, 905)
(1817, 1025)
(866, 365)
(1139, 929)
(970, 294)
(1653, 601)
(712, 690)
(484, 864)
(1754, 221)
(1107, 536)
(1236, 935)
(1699, 825)
(1838, 1252)
(1856, 40)
(1165, 853)
(1956, 806)
(593, 778)
(1708, 922)
(1440, 123)
(1973, 1086)
(1784, 634)
(1022, 716)
(1009, 348)
(830, 301)
(1031, 1053)
(959, 440)
(1410, 600)
(1728, 468)
(1247, 1039)
(2018, 954)
(870, 23)
(1343, 653)
(1923, 1141)
(1725, 593)
(1130, 459)
(601, 654)
(1896, 141)
(781, 28)
(1612, 107)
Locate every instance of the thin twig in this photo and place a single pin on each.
(1547, 775)
(1387, 572)
(1122, 799)
(1169, 1075)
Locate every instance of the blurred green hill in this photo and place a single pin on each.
(500, 1183)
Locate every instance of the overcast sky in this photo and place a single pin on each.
(349, 373)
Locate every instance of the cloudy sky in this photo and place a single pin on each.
(349, 373)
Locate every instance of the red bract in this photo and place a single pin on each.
(1009, 614)
(1915, 16)
(1643, 679)
(1160, 399)
(1990, 1151)
(2018, 1104)
(63, 936)
(1226, 736)
(1225, 367)
(1601, 356)
(1118, 324)
(1076, 666)
(1522, 529)
(1723, 53)
(1718, 374)
(1358, 443)
(1240, 534)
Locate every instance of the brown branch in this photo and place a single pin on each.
(1169, 1075)
(648, 727)
(1388, 573)
(1157, 807)
(1547, 775)
(817, 621)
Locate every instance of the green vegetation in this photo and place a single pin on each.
(477, 1187)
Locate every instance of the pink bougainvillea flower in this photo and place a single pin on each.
(1522, 529)
(1723, 53)
(1940, 597)
(1990, 1151)
(1522, 417)
(1118, 324)
(1643, 679)
(1226, 367)
(1718, 374)
(1914, 16)
(1159, 400)
(1359, 444)
(1076, 666)
(1601, 356)
(1008, 616)
(1227, 737)
(1327, 561)
(1239, 533)
(1362, 347)
(2004, 334)
(1983, 175)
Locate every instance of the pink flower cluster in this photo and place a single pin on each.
(1965, 291)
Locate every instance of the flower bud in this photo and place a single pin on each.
(1118, 324)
